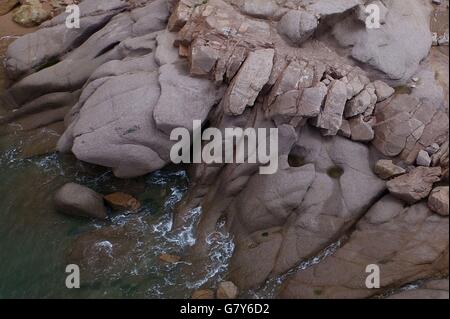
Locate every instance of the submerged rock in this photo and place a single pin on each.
(227, 290)
(203, 294)
(423, 159)
(77, 200)
(121, 201)
(168, 258)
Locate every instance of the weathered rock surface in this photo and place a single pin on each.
(386, 169)
(415, 185)
(434, 289)
(361, 130)
(391, 236)
(203, 294)
(330, 117)
(135, 70)
(382, 90)
(285, 218)
(248, 82)
(259, 8)
(405, 125)
(377, 47)
(297, 26)
(77, 200)
(7, 5)
(438, 200)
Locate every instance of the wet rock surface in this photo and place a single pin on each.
(77, 200)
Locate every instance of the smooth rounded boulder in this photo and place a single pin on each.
(77, 200)
(298, 26)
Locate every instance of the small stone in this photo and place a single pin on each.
(298, 26)
(121, 201)
(382, 90)
(361, 131)
(345, 129)
(259, 8)
(170, 259)
(415, 185)
(438, 200)
(246, 85)
(423, 159)
(432, 149)
(203, 294)
(179, 17)
(386, 169)
(312, 100)
(359, 104)
(330, 117)
(30, 14)
(227, 290)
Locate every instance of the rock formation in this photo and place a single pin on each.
(135, 70)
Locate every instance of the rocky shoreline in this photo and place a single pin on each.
(362, 114)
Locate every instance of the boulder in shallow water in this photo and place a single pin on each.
(77, 200)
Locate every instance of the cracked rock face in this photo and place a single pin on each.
(415, 185)
(391, 236)
(136, 70)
